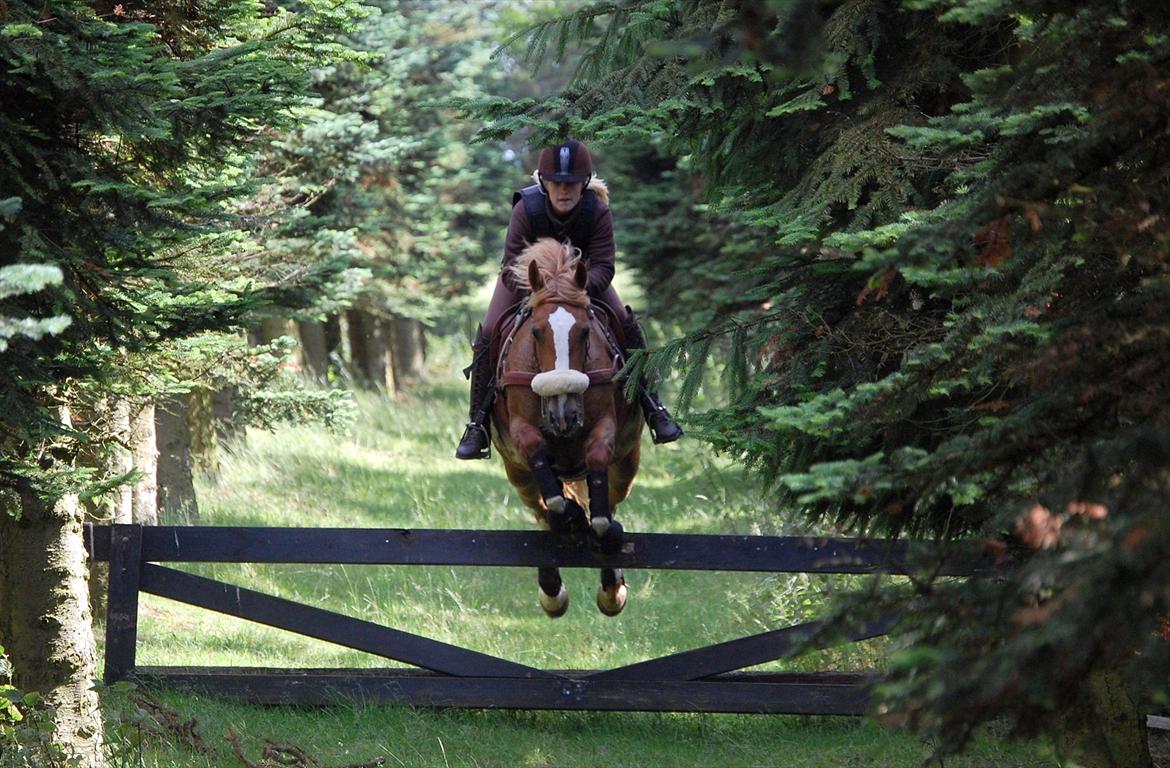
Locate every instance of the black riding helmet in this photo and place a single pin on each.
(566, 162)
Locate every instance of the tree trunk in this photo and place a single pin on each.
(201, 428)
(333, 338)
(1105, 728)
(273, 328)
(45, 623)
(314, 350)
(408, 350)
(120, 461)
(228, 425)
(341, 356)
(111, 460)
(176, 489)
(368, 351)
(144, 446)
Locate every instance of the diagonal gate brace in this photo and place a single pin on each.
(737, 654)
(329, 626)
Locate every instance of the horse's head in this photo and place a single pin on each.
(560, 327)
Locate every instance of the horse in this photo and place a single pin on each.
(568, 437)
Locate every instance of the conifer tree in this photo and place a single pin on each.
(127, 130)
(956, 327)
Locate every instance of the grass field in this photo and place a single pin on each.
(395, 469)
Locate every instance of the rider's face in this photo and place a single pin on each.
(563, 196)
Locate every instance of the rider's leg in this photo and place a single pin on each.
(477, 437)
(663, 428)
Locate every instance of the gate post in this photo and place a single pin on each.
(122, 605)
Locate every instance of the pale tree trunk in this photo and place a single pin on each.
(314, 349)
(228, 426)
(273, 328)
(408, 350)
(368, 351)
(1105, 728)
(45, 622)
(111, 459)
(121, 460)
(144, 446)
(176, 488)
(201, 428)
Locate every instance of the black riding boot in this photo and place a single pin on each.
(663, 428)
(476, 442)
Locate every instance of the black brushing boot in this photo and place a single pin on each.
(663, 429)
(476, 442)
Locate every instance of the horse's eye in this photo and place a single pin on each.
(537, 334)
(583, 335)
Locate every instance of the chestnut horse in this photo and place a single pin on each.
(568, 438)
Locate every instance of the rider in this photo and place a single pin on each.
(571, 204)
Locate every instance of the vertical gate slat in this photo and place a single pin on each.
(122, 600)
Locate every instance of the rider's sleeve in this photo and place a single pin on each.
(514, 243)
(601, 251)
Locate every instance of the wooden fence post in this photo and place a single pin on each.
(122, 608)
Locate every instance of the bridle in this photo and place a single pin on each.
(524, 378)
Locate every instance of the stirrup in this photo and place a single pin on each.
(476, 443)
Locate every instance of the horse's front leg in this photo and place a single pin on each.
(598, 457)
(531, 443)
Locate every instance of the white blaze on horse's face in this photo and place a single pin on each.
(562, 380)
(561, 322)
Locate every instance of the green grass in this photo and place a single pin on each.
(395, 469)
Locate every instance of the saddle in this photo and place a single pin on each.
(511, 321)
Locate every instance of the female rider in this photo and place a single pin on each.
(569, 203)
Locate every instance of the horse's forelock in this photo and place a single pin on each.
(557, 263)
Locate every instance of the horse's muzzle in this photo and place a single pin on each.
(562, 415)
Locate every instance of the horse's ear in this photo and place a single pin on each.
(534, 279)
(581, 275)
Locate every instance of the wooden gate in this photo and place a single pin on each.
(705, 679)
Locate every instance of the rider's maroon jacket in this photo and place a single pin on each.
(599, 258)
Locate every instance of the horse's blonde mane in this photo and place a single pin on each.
(557, 263)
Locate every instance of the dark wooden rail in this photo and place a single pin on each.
(704, 679)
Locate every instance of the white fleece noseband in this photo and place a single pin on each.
(562, 380)
(553, 383)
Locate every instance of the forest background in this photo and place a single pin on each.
(921, 245)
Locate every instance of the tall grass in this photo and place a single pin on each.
(395, 469)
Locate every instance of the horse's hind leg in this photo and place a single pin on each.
(554, 597)
(612, 593)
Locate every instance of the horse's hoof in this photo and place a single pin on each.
(555, 606)
(600, 526)
(555, 503)
(612, 604)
